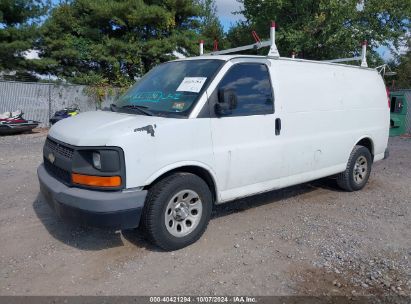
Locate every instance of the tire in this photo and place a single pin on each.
(358, 170)
(183, 199)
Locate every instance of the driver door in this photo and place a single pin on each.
(247, 138)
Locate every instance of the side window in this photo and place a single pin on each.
(252, 87)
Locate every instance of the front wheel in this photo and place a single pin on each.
(358, 170)
(177, 211)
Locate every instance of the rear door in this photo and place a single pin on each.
(247, 146)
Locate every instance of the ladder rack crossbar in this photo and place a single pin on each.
(273, 52)
(343, 59)
(255, 46)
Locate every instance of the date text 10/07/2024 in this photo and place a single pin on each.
(203, 299)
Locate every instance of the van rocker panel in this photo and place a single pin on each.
(121, 210)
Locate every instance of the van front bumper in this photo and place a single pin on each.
(117, 209)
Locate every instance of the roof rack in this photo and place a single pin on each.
(363, 57)
(273, 52)
(382, 69)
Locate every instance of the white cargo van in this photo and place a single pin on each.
(206, 130)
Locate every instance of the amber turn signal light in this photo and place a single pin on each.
(96, 181)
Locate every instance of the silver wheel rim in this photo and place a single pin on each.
(183, 213)
(360, 169)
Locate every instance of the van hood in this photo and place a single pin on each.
(101, 128)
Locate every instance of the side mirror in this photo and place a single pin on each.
(227, 101)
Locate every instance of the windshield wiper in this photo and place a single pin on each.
(140, 109)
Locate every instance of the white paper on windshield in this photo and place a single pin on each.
(191, 84)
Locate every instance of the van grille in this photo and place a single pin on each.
(59, 148)
(57, 172)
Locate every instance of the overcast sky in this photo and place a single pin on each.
(225, 9)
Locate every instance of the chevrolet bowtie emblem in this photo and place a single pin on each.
(51, 157)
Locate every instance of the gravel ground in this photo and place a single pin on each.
(311, 239)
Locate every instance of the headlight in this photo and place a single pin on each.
(98, 167)
(97, 160)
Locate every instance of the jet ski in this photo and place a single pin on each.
(14, 123)
(65, 113)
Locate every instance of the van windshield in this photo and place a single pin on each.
(169, 89)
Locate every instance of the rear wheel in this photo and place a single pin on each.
(177, 211)
(358, 170)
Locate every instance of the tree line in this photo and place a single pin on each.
(114, 42)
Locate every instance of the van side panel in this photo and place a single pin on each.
(366, 103)
(327, 109)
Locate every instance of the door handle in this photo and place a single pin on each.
(277, 126)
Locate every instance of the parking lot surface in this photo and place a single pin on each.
(311, 239)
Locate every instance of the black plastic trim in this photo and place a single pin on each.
(91, 207)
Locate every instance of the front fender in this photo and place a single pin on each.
(181, 164)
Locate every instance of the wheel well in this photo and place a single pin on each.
(200, 172)
(367, 142)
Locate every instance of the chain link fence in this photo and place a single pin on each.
(39, 101)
